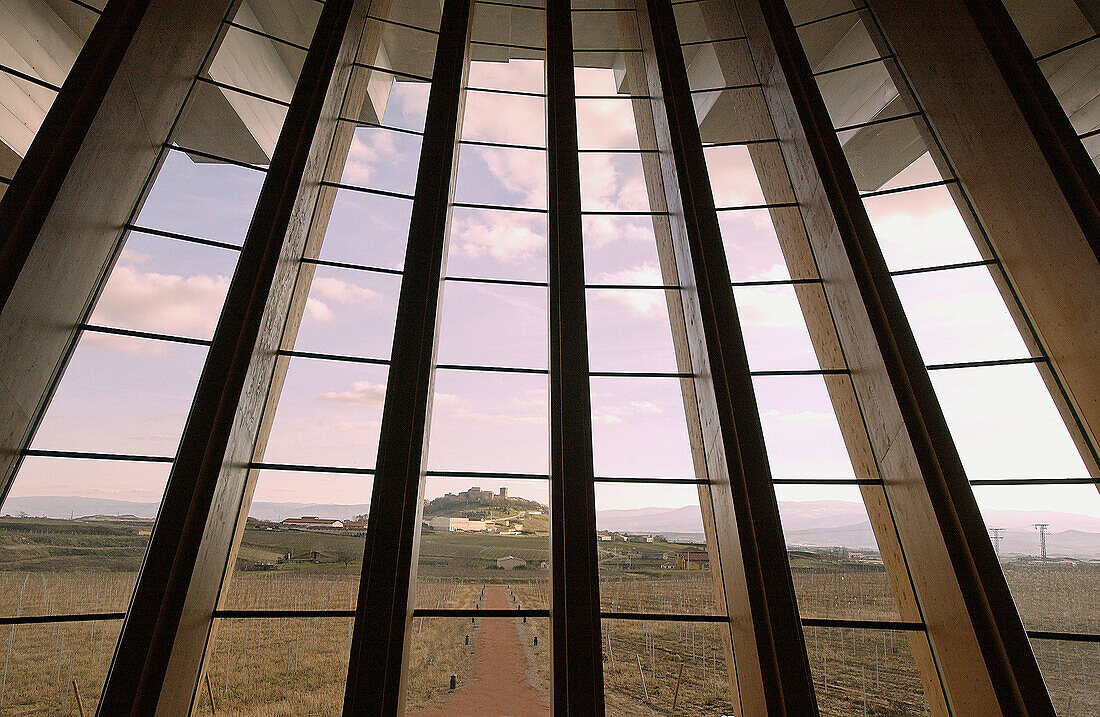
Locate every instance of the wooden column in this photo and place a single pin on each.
(158, 661)
(387, 589)
(575, 608)
(62, 216)
(772, 668)
(1027, 175)
(978, 642)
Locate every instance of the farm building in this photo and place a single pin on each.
(692, 559)
(312, 522)
(450, 524)
(510, 563)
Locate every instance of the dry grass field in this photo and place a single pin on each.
(265, 666)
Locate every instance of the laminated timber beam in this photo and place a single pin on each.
(159, 658)
(1029, 179)
(575, 608)
(770, 662)
(387, 586)
(59, 229)
(978, 642)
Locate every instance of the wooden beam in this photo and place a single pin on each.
(575, 610)
(1030, 181)
(157, 665)
(978, 642)
(59, 228)
(376, 676)
(772, 668)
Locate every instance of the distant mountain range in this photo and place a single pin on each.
(820, 523)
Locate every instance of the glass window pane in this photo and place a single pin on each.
(489, 422)
(639, 428)
(44, 660)
(516, 74)
(857, 669)
(1005, 424)
(493, 325)
(860, 94)
(621, 249)
(75, 532)
(367, 229)
(835, 559)
(500, 671)
(800, 429)
(299, 664)
(613, 183)
(653, 651)
(329, 414)
(382, 159)
(302, 547)
(1069, 671)
(349, 312)
(497, 244)
(920, 228)
(752, 247)
(501, 176)
(774, 328)
(654, 553)
(122, 395)
(508, 119)
(629, 330)
(606, 124)
(480, 535)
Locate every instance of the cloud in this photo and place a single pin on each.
(503, 237)
(166, 303)
(646, 303)
(367, 151)
(616, 414)
(519, 171)
(337, 291)
(362, 393)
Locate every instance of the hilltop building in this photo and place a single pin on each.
(311, 522)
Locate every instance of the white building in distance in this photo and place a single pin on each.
(452, 524)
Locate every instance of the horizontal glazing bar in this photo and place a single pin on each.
(882, 120)
(182, 237)
(487, 474)
(501, 282)
(282, 613)
(216, 158)
(776, 282)
(1069, 636)
(395, 73)
(508, 45)
(471, 612)
(490, 369)
(87, 6)
(898, 190)
(694, 43)
(616, 213)
(240, 91)
(495, 91)
(1035, 481)
(331, 357)
(986, 363)
(501, 145)
(773, 205)
(842, 13)
(723, 88)
(99, 329)
(853, 65)
(945, 267)
(1070, 46)
(618, 151)
(665, 617)
(46, 619)
(350, 265)
(92, 455)
(827, 481)
(501, 207)
(641, 287)
(305, 468)
(803, 372)
(651, 481)
(863, 624)
(639, 374)
(269, 36)
(508, 4)
(395, 23)
(739, 143)
(29, 78)
(366, 190)
(376, 125)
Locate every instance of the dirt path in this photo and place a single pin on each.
(498, 685)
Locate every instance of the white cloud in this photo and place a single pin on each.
(366, 152)
(166, 303)
(646, 303)
(505, 238)
(337, 291)
(363, 393)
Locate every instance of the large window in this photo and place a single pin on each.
(279, 634)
